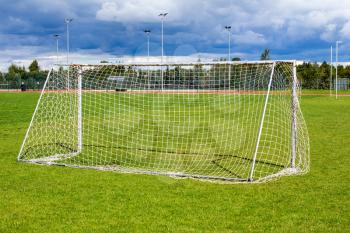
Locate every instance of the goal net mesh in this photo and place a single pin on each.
(232, 122)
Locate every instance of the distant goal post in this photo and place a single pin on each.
(221, 121)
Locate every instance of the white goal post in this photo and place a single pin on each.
(221, 121)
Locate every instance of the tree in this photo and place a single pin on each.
(236, 59)
(322, 78)
(34, 67)
(265, 55)
(15, 71)
(34, 73)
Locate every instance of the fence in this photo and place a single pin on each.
(343, 84)
(24, 85)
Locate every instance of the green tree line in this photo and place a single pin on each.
(32, 76)
(311, 75)
(318, 76)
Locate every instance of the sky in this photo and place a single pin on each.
(113, 29)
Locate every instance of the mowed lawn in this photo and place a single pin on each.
(211, 135)
(37, 198)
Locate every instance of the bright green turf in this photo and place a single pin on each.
(323, 92)
(57, 199)
(211, 135)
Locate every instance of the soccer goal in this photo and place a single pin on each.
(220, 121)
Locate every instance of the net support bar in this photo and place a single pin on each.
(294, 116)
(34, 114)
(261, 124)
(80, 123)
(229, 77)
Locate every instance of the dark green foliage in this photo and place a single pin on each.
(265, 55)
(33, 78)
(2, 77)
(315, 76)
(15, 72)
(34, 67)
(311, 75)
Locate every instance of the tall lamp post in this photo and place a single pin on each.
(228, 29)
(336, 68)
(57, 37)
(162, 17)
(68, 21)
(148, 32)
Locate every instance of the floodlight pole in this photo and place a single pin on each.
(162, 16)
(228, 28)
(148, 32)
(331, 73)
(336, 68)
(68, 21)
(57, 37)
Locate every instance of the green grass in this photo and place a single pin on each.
(58, 199)
(323, 92)
(211, 135)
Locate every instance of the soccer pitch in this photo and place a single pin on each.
(210, 135)
(56, 199)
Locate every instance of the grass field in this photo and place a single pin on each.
(203, 134)
(57, 199)
(324, 92)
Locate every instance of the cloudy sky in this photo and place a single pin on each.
(110, 29)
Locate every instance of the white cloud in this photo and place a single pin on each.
(136, 10)
(345, 31)
(249, 37)
(24, 55)
(108, 12)
(300, 19)
(329, 33)
(191, 26)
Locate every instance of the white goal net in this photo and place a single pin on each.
(224, 121)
